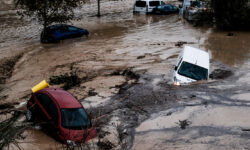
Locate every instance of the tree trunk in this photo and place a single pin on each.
(45, 21)
(98, 8)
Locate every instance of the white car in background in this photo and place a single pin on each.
(192, 65)
(146, 6)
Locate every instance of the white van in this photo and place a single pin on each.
(192, 65)
(146, 6)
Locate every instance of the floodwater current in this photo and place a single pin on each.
(146, 43)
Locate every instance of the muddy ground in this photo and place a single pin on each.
(122, 74)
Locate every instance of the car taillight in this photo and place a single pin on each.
(52, 35)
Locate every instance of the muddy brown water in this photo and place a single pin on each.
(116, 42)
(231, 50)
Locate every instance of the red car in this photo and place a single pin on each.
(61, 114)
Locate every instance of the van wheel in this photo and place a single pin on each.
(29, 116)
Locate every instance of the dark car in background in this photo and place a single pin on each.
(61, 115)
(58, 32)
(166, 9)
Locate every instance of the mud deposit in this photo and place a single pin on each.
(122, 74)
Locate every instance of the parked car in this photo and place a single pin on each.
(59, 32)
(166, 9)
(192, 9)
(146, 6)
(61, 115)
(192, 65)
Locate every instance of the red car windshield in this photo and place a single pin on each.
(75, 119)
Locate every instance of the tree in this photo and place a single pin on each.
(48, 11)
(98, 8)
(231, 14)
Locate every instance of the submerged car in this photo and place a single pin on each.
(58, 32)
(192, 65)
(61, 115)
(166, 9)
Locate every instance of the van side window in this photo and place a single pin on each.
(154, 3)
(140, 4)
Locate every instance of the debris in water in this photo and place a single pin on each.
(22, 104)
(220, 74)
(8, 105)
(192, 96)
(169, 114)
(130, 74)
(10, 131)
(127, 72)
(140, 57)
(69, 80)
(180, 43)
(183, 124)
(92, 92)
(105, 145)
(205, 103)
(230, 34)
(5, 106)
(245, 129)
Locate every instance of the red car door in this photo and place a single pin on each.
(50, 110)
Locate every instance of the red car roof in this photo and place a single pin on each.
(63, 98)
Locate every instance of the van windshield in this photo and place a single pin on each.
(193, 71)
(140, 4)
(75, 118)
(154, 3)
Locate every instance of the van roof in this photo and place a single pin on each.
(196, 56)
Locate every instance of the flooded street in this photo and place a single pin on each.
(127, 65)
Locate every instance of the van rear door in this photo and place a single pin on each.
(153, 5)
(140, 6)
